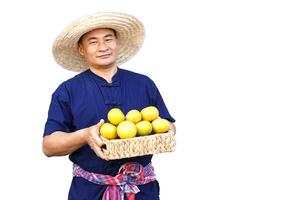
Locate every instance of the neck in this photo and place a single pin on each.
(106, 73)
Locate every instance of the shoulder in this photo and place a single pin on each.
(136, 77)
(75, 82)
(75, 79)
(68, 85)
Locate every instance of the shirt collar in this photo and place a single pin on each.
(115, 78)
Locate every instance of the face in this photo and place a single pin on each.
(100, 48)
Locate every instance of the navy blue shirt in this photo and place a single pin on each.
(81, 102)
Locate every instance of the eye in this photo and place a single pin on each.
(109, 39)
(92, 42)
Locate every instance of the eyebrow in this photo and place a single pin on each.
(95, 38)
(109, 35)
(92, 38)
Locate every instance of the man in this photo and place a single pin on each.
(95, 45)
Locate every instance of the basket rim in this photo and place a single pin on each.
(170, 132)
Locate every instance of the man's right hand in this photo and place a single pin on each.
(93, 139)
(62, 143)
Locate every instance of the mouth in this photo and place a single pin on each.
(104, 56)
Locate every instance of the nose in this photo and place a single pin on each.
(102, 47)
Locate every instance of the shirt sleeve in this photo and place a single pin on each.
(59, 114)
(158, 101)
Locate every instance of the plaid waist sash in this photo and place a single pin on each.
(129, 176)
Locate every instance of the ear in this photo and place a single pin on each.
(81, 50)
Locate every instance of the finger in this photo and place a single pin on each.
(173, 128)
(97, 140)
(96, 128)
(100, 123)
(98, 151)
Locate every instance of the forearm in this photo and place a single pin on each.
(60, 143)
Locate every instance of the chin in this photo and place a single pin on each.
(106, 62)
(104, 65)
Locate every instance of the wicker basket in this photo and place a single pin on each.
(139, 146)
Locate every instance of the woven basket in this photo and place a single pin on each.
(139, 146)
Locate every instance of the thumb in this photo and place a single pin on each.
(100, 123)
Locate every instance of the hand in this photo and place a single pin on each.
(94, 141)
(172, 128)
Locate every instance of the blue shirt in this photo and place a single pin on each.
(86, 98)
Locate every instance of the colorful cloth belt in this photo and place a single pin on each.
(129, 176)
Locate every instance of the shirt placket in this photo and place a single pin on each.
(111, 92)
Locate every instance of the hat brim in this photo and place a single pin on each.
(130, 32)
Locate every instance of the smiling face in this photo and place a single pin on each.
(100, 48)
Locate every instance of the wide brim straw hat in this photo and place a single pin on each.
(129, 30)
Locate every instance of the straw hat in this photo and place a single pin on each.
(130, 32)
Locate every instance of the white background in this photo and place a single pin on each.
(227, 71)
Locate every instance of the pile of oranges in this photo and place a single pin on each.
(134, 123)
